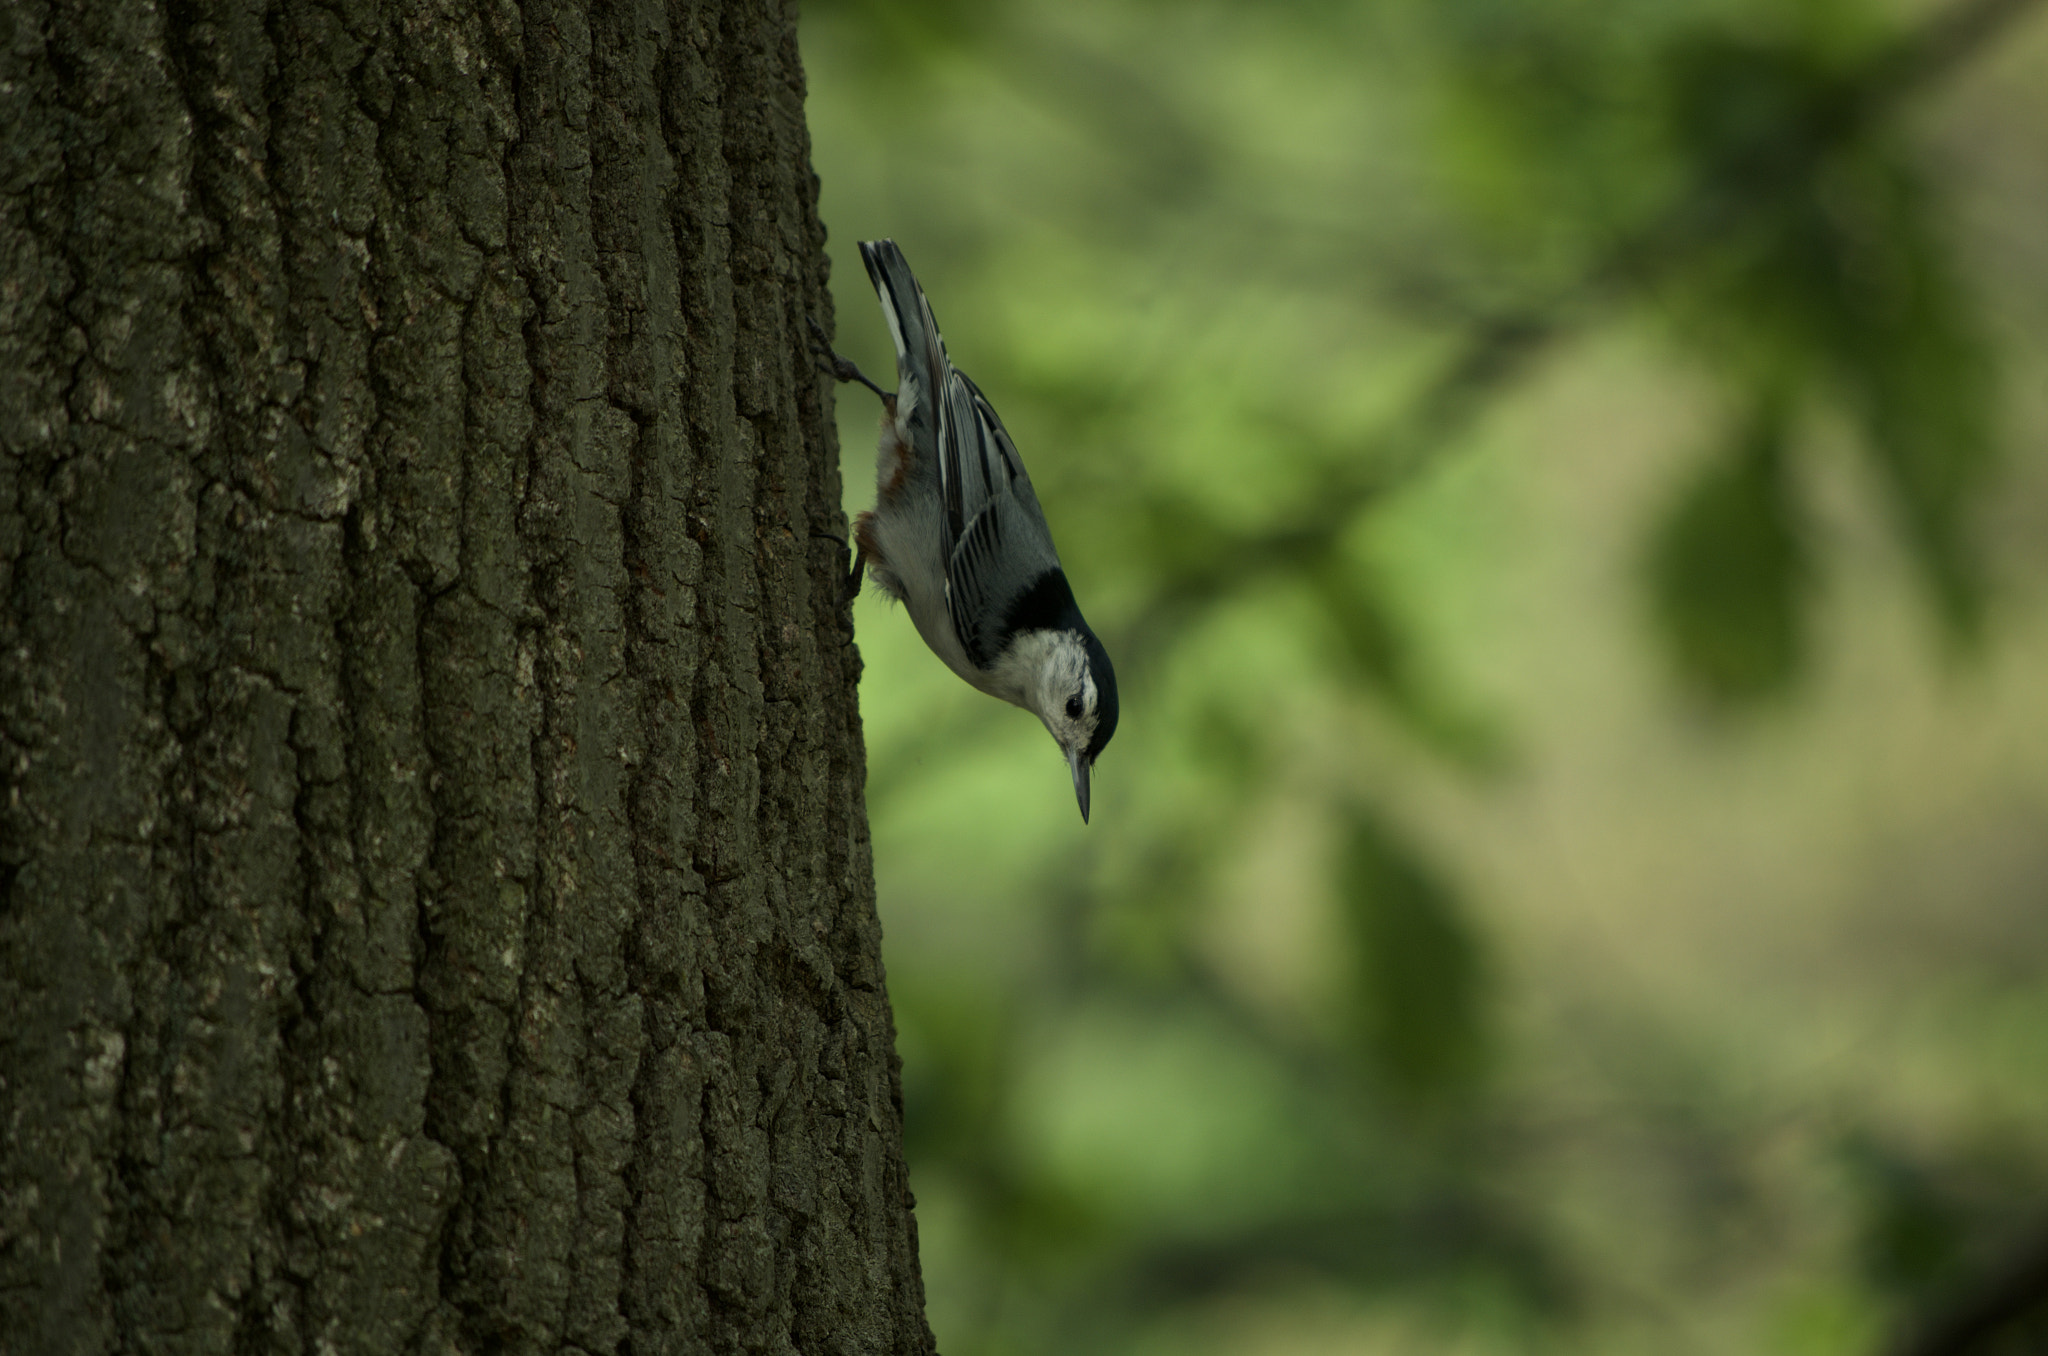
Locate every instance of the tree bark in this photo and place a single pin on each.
(435, 901)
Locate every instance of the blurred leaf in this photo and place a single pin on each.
(1371, 645)
(1420, 977)
(1951, 1231)
(1856, 276)
(1911, 1236)
(1752, 113)
(1728, 566)
(1918, 373)
(1546, 121)
(1845, 288)
(1374, 649)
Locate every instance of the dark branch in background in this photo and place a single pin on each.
(1497, 351)
(2015, 1289)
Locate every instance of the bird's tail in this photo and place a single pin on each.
(921, 363)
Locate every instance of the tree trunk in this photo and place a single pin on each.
(435, 903)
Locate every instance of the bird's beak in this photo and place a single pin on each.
(1078, 761)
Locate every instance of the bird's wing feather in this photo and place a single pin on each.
(996, 542)
(993, 537)
(921, 364)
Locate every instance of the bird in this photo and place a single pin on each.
(957, 536)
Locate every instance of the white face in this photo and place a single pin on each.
(1064, 694)
(1046, 673)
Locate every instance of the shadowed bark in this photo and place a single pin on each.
(435, 903)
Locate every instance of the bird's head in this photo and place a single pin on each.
(1073, 690)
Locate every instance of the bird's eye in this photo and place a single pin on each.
(1074, 707)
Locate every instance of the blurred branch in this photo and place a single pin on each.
(1496, 351)
(1368, 1244)
(2014, 1289)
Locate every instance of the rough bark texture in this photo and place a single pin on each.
(435, 905)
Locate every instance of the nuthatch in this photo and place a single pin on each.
(957, 537)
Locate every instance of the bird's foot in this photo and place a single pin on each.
(842, 368)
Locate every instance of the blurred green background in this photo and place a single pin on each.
(1565, 485)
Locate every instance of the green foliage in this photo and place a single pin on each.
(1833, 281)
(1927, 1223)
(1257, 289)
(1754, 115)
(1729, 566)
(1912, 1237)
(1914, 367)
(1419, 974)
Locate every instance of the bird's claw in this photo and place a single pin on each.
(840, 367)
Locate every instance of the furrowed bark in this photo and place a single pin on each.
(435, 900)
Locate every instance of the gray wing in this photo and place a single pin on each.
(993, 537)
(996, 542)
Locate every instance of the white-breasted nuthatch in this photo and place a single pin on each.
(957, 537)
